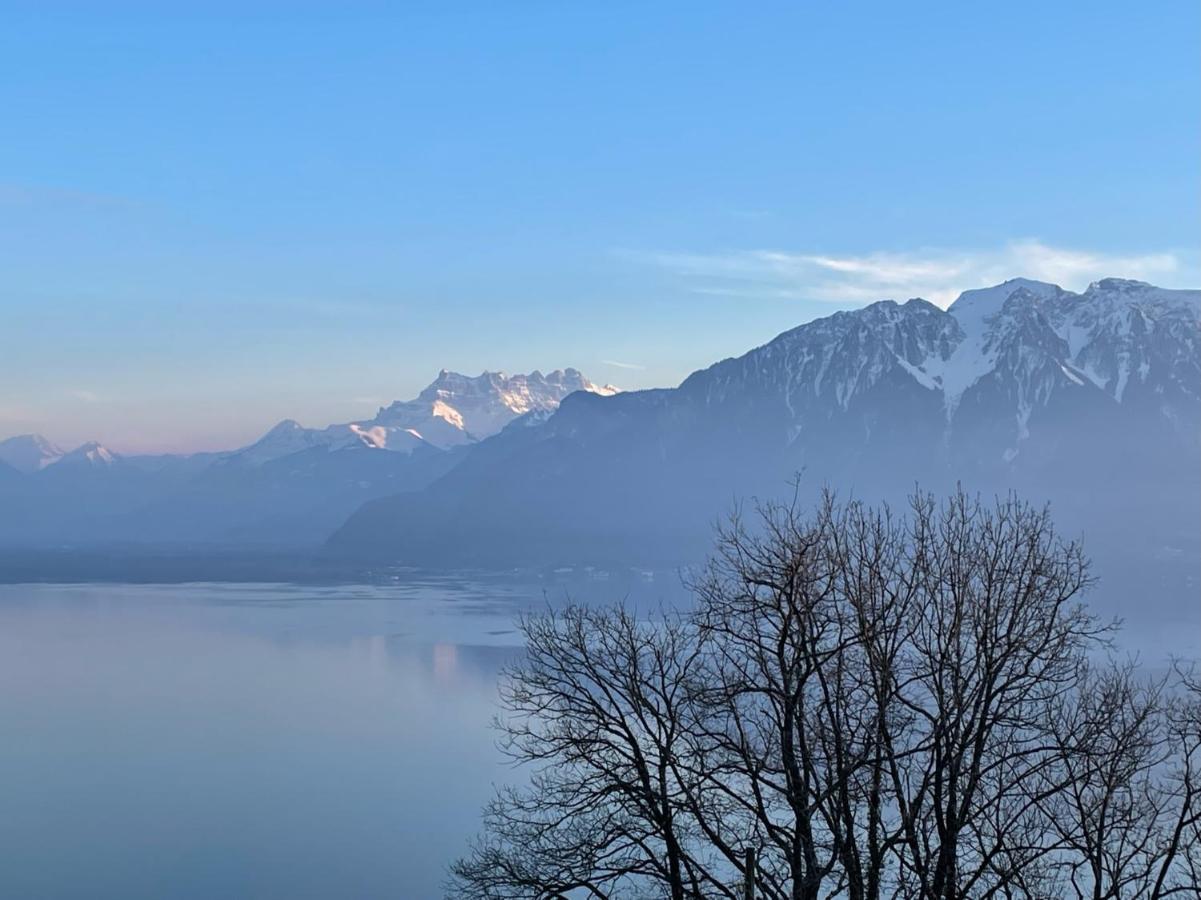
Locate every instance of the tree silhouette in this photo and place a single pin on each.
(861, 704)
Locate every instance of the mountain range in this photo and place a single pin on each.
(29, 453)
(291, 487)
(1091, 401)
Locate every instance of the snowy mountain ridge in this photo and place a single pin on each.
(452, 411)
(1022, 386)
(29, 452)
(457, 409)
(294, 485)
(93, 454)
(1027, 337)
(1108, 333)
(1089, 400)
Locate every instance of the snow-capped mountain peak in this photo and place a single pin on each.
(1125, 335)
(989, 300)
(1103, 336)
(1007, 351)
(284, 439)
(453, 410)
(987, 319)
(1091, 398)
(29, 452)
(93, 454)
(459, 409)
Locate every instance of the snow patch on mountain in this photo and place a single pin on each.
(454, 410)
(92, 454)
(1105, 336)
(29, 453)
(457, 409)
(977, 313)
(1013, 348)
(1123, 332)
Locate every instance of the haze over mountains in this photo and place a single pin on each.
(455, 410)
(291, 487)
(1090, 400)
(29, 453)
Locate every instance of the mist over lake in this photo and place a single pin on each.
(275, 740)
(207, 740)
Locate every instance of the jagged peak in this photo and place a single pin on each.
(35, 440)
(92, 453)
(1128, 292)
(29, 452)
(986, 300)
(454, 409)
(490, 382)
(1018, 324)
(1121, 285)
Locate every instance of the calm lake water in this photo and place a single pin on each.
(262, 741)
(277, 741)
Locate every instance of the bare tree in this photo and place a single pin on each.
(793, 712)
(1127, 817)
(1178, 869)
(1111, 739)
(860, 705)
(996, 635)
(595, 709)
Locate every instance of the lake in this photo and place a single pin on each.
(267, 741)
(279, 741)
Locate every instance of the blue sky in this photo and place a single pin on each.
(214, 218)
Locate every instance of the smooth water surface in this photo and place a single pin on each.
(264, 741)
(273, 741)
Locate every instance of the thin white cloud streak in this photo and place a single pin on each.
(938, 275)
(624, 365)
(85, 395)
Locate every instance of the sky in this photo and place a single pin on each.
(216, 216)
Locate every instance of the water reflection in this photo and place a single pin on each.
(266, 741)
(203, 741)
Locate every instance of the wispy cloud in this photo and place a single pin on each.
(623, 365)
(85, 395)
(936, 274)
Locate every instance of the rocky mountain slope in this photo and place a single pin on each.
(455, 410)
(29, 452)
(1090, 400)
